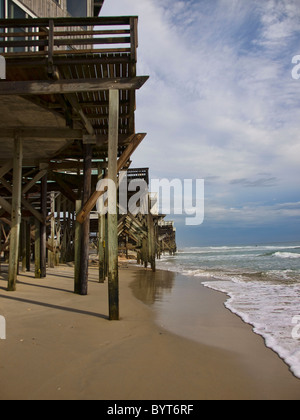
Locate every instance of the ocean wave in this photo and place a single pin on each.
(286, 255)
(270, 309)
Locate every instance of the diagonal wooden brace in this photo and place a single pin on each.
(90, 204)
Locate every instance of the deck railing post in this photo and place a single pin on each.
(50, 46)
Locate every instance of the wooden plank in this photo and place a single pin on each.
(32, 210)
(88, 207)
(63, 42)
(5, 205)
(34, 181)
(113, 274)
(16, 215)
(48, 87)
(66, 190)
(66, 22)
(75, 105)
(7, 167)
(40, 133)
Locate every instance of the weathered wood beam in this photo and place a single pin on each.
(34, 181)
(88, 207)
(63, 87)
(75, 105)
(37, 250)
(32, 210)
(66, 190)
(113, 273)
(52, 237)
(101, 236)
(151, 237)
(40, 133)
(7, 167)
(85, 233)
(5, 205)
(43, 227)
(16, 215)
(24, 202)
(77, 244)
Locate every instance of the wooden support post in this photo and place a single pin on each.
(101, 238)
(106, 247)
(85, 235)
(151, 243)
(145, 252)
(1, 227)
(37, 249)
(52, 239)
(58, 230)
(16, 214)
(151, 237)
(28, 246)
(70, 256)
(43, 226)
(102, 248)
(78, 228)
(63, 259)
(23, 246)
(113, 274)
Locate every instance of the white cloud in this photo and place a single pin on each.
(220, 102)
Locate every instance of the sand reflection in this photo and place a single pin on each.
(153, 287)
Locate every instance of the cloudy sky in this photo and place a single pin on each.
(221, 105)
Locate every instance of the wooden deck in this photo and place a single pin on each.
(59, 73)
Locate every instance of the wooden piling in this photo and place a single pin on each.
(52, 238)
(23, 246)
(101, 239)
(37, 250)
(151, 242)
(16, 214)
(78, 228)
(113, 274)
(28, 246)
(85, 232)
(43, 227)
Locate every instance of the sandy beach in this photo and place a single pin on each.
(61, 346)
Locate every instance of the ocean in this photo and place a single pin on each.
(263, 287)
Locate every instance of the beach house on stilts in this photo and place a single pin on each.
(67, 119)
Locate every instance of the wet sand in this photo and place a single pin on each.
(61, 346)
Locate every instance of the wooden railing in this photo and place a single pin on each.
(57, 36)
